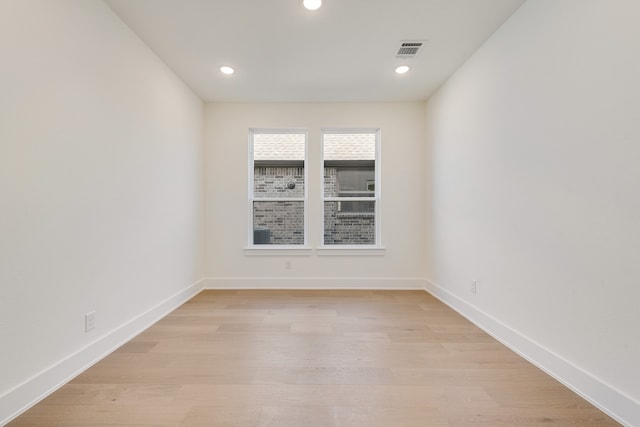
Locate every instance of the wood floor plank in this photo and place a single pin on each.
(313, 358)
(382, 416)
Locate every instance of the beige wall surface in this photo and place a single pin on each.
(402, 190)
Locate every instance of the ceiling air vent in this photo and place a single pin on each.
(409, 49)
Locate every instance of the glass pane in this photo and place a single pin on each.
(281, 182)
(349, 164)
(278, 165)
(278, 223)
(349, 223)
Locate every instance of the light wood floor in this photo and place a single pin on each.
(313, 358)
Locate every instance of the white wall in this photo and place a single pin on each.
(535, 192)
(101, 190)
(403, 202)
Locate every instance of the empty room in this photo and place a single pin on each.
(319, 213)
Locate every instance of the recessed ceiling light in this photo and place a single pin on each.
(402, 69)
(312, 4)
(227, 70)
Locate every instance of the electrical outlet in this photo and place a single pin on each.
(474, 287)
(287, 265)
(89, 321)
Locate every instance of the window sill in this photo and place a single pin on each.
(350, 250)
(277, 250)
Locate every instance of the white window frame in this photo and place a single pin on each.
(269, 249)
(377, 248)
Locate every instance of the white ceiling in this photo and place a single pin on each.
(343, 52)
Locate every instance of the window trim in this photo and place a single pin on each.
(377, 248)
(252, 248)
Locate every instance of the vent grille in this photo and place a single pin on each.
(409, 49)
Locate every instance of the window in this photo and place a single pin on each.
(351, 196)
(277, 192)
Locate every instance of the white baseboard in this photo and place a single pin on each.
(24, 396)
(363, 283)
(614, 403)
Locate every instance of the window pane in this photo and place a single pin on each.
(353, 227)
(274, 181)
(349, 182)
(278, 223)
(349, 164)
(278, 165)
